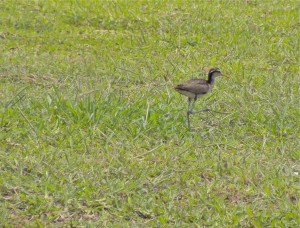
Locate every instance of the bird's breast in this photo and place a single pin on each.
(190, 94)
(187, 93)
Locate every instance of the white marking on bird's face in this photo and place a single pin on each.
(217, 73)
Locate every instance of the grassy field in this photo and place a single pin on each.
(92, 132)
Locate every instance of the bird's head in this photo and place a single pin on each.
(214, 72)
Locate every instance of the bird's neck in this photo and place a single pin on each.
(211, 79)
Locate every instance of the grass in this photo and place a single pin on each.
(93, 134)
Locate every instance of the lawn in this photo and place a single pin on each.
(92, 132)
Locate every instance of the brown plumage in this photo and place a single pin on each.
(193, 88)
(196, 88)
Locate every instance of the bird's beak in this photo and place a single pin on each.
(226, 76)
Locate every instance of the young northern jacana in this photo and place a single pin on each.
(196, 88)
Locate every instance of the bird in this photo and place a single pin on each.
(196, 88)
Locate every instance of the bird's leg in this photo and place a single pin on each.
(189, 112)
(190, 109)
(191, 106)
(203, 110)
(210, 111)
(220, 112)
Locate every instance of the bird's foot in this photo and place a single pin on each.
(203, 110)
(208, 110)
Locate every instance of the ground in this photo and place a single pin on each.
(92, 132)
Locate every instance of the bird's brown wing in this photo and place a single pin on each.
(196, 86)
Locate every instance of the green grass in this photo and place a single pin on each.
(93, 134)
